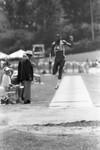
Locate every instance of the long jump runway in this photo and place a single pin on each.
(72, 92)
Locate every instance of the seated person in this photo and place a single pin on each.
(6, 83)
(6, 80)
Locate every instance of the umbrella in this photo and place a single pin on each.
(17, 54)
(3, 55)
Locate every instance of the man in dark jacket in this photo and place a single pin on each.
(25, 75)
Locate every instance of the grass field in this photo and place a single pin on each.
(14, 139)
(43, 94)
(43, 64)
(83, 56)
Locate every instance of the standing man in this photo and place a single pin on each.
(25, 75)
(58, 48)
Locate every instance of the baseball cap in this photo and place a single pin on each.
(7, 69)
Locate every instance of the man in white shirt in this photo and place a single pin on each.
(6, 80)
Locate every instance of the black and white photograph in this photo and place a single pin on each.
(49, 74)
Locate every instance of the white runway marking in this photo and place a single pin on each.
(71, 93)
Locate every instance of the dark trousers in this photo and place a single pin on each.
(27, 91)
(58, 67)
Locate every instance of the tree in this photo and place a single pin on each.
(97, 11)
(42, 18)
(18, 12)
(76, 11)
(47, 18)
(79, 14)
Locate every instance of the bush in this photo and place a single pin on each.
(12, 40)
(84, 46)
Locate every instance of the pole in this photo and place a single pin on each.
(92, 22)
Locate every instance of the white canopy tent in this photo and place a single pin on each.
(17, 55)
(3, 55)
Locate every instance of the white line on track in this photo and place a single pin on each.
(72, 92)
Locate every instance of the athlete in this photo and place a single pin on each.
(58, 49)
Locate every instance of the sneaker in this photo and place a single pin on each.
(27, 102)
(20, 101)
(57, 86)
(2, 101)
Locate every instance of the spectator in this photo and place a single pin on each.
(6, 80)
(50, 65)
(25, 75)
(87, 65)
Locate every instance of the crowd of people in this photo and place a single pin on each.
(24, 78)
